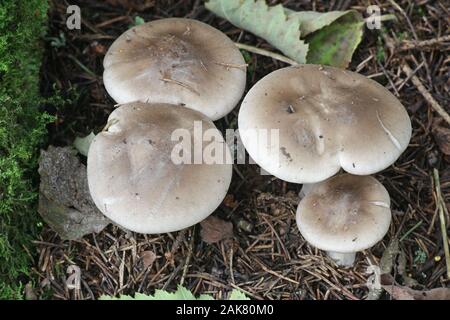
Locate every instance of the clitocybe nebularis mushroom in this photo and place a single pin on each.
(133, 179)
(178, 61)
(343, 215)
(328, 119)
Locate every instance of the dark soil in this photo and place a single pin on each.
(267, 257)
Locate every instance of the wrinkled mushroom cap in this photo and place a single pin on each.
(345, 213)
(327, 118)
(178, 61)
(135, 183)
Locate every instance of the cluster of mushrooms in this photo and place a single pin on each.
(169, 73)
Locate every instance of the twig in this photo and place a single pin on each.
(440, 204)
(172, 275)
(409, 77)
(433, 220)
(82, 66)
(245, 291)
(232, 65)
(407, 233)
(111, 21)
(176, 244)
(276, 274)
(434, 104)
(231, 265)
(389, 79)
(413, 30)
(184, 85)
(188, 258)
(286, 252)
(407, 44)
(266, 53)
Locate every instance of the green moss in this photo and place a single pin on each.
(22, 130)
(380, 55)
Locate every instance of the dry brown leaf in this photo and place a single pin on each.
(230, 202)
(147, 258)
(97, 48)
(215, 229)
(399, 292)
(442, 137)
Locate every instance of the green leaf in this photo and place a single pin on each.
(122, 297)
(334, 44)
(269, 23)
(139, 296)
(306, 37)
(181, 294)
(83, 144)
(138, 21)
(205, 297)
(312, 21)
(237, 295)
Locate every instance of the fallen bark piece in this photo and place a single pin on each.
(398, 292)
(215, 229)
(64, 199)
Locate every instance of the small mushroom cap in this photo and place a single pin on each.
(135, 183)
(327, 118)
(345, 213)
(178, 61)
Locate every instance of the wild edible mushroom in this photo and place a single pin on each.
(134, 180)
(327, 118)
(178, 61)
(343, 215)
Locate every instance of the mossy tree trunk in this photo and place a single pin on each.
(22, 130)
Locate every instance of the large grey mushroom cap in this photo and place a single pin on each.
(178, 61)
(133, 179)
(345, 213)
(327, 118)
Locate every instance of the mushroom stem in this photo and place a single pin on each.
(342, 259)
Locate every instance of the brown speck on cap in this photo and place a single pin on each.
(285, 153)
